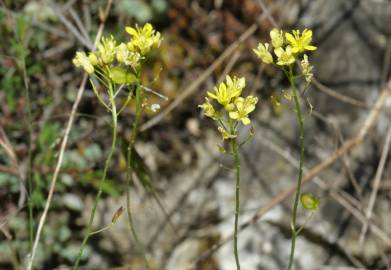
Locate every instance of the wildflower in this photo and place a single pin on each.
(81, 60)
(226, 92)
(277, 38)
(208, 109)
(309, 201)
(129, 58)
(243, 107)
(300, 42)
(263, 53)
(236, 85)
(306, 69)
(285, 57)
(144, 39)
(107, 49)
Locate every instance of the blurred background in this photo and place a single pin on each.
(177, 145)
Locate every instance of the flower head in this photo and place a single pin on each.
(127, 57)
(144, 39)
(208, 109)
(285, 57)
(107, 49)
(243, 106)
(262, 51)
(277, 38)
(300, 42)
(226, 92)
(306, 69)
(81, 60)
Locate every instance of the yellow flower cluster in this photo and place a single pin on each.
(144, 39)
(119, 62)
(287, 50)
(235, 108)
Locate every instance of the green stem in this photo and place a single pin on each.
(129, 174)
(300, 122)
(105, 170)
(237, 199)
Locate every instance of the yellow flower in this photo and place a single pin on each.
(285, 57)
(129, 58)
(243, 107)
(107, 49)
(81, 60)
(263, 53)
(144, 39)
(277, 38)
(208, 109)
(300, 42)
(306, 69)
(226, 92)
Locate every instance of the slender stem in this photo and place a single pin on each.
(300, 122)
(305, 222)
(29, 154)
(105, 170)
(101, 230)
(237, 199)
(129, 174)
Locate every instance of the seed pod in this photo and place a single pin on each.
(309, 201)
(117, 215)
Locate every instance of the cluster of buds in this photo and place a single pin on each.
(118, 62)
(233, 108)
(287, 50)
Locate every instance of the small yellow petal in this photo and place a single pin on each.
(245, 121)
(234, 115)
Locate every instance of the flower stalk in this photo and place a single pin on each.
(231, 111)
(300, 122)
(129, 171)
(116, 65)
(287, 52)
(235, 148)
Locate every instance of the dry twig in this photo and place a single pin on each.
(64, 144)
(376, 185)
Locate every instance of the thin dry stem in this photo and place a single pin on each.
(376, 185)
(62, 149)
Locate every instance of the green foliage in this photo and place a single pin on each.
(142, 11)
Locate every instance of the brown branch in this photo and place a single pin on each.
(334, 94)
